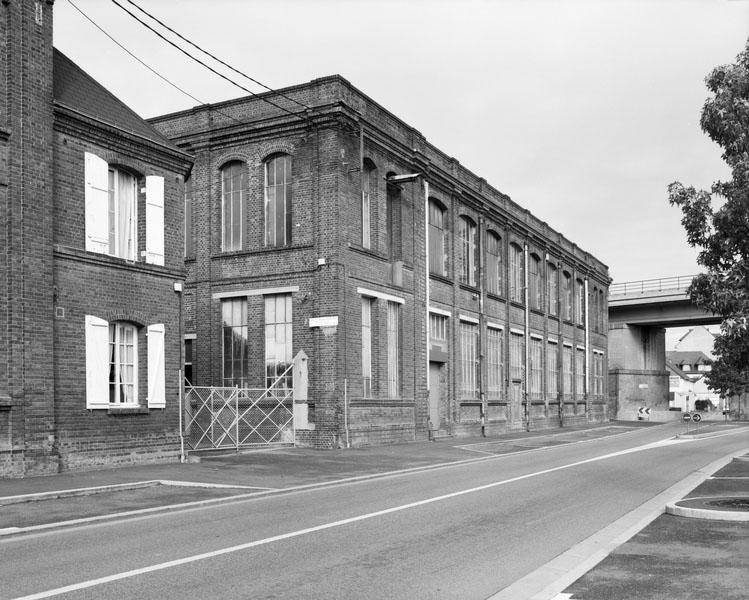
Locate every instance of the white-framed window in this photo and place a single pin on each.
(494, 279)
(123, 214)
(468, 248)
(235, 342)
(580, 301)
(552, 287)
(393, 349)
(111, 211)
(112, 372)
(552, 369)
(535, 383)
(516, 356)
(567, 371)
(437, 239)
(366, 345)
(123, 363)
(517, 273)
(278, 339)
(598, 373)
(580, 373)
(469, 360)
(438, 331)
(233, 199)
(495, 363)
(278, 207)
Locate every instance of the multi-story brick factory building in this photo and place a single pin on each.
(427, 301)
(90, 343)
(313, 221)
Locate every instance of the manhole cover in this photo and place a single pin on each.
(734, 503)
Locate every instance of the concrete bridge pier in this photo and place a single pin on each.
(637, 375)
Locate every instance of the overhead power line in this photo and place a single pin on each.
(147, 66)
(154, 71)
(197, 60)
(218, 60)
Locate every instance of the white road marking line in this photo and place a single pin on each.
(231, 549)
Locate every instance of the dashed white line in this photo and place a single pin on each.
(231, 549)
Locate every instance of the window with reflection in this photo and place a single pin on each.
(494, 278)
(278, 200)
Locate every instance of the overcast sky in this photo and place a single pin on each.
(582, 111)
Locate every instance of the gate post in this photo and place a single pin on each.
(299, 387)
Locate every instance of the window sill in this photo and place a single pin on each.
(442, 278)
(494, 296)
(263, 250)
(127, 410)
(469, 288)
(368, 252)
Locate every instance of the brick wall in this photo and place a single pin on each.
(327, 197)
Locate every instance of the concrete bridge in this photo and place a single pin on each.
(639, 313)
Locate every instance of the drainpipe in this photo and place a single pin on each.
(527, 338)
(482, 323)
(587, 350)
(426, 280)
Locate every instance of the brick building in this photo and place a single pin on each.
(427, 301)
(91, 199)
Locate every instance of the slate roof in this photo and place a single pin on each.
(76, 89)
(694, 357)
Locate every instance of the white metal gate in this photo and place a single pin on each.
(234, 417)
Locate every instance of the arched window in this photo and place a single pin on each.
(567, 296)
(278, 200)
(594, 309)
(602, 310)
(580, 304)
(437, 238)
(494, 282)
(534, 282)
(552, 289)
(368, 191)
(468, 251)
(517, 273)
(233, 197)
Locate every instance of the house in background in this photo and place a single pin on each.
(91, 197)
(696, 339)
(687, 386)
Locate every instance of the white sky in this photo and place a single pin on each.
(582, 111)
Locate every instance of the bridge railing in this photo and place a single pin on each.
(644, 286)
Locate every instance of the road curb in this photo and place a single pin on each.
(673, 508)
(550, 580)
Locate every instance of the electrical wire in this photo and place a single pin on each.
(197, 60)
(218, 60)
(159, 75)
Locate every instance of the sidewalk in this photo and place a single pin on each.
(677, 557)
(673, 557)
(43, 501)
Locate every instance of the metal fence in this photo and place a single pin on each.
(234, 417)
(645, 286)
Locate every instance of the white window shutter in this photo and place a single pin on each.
(156, 379)
(97, 203)
(97, 363)
(155, 220)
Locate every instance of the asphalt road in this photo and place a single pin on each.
(463, 531)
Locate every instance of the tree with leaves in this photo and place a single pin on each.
(717, 223)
